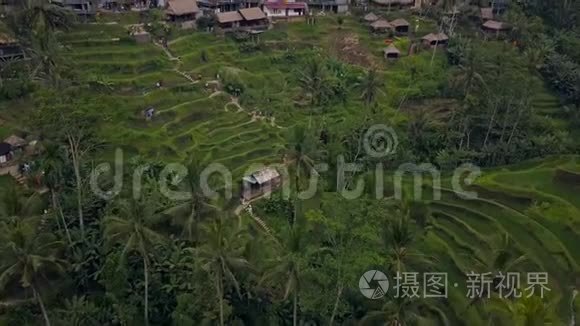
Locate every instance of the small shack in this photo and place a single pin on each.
(381, 26)
(182, 10)
(370, 17)
(260, 183)
(400, 25)
(391, 52)
(9, 48)
(254, 18)
(141, 37)
(6, 154)
(229, 20)
(435, 40)
(16, 143)
(495, 27)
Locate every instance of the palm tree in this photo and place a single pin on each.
(398, 311)
(221, 256)
(132, 225)
(290, 265)
(313, 80)
(27, 254)
(301, 153)
(399, 237)
(42, 15)
(187, 214)
(468, 76)
(370, 87)
(52, 167)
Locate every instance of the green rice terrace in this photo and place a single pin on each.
(299, 94)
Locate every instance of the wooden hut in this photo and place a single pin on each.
(254, 18)
(182, 10)
(401, 26)
(229, 20)
(381, 26)
(370, 18)
(435, 40)
(9, 48)
(260, 183)
(391, 52)
(495, 27)
(16, 142)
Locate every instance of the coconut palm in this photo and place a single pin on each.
(370, 87)
(42, 15)
(27, 254)
(52, 168)
(187, 214)
(301, 153)
(132, 225)
(221, 256)
(468, 76)
(290, 265)
(399, 237)
(314, 82)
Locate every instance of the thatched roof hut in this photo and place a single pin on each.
(381, 25)
(435, 39)
(496, 26)
(391, 52)
(400, 25)
(370, 17)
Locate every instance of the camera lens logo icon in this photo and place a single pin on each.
(373, 284)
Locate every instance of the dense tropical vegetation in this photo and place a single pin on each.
(300, 94)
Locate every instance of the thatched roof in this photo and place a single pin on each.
(496, 26)
(391, 49)
(6, 39)
(252, 13)
(371, 17)
(262, 176)
(486, 13)
(229, 17)
(15, 141)
(381, 24)
(438, 37)
(400, 22)
(182, 7)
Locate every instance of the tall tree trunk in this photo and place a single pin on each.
(295, 310)
(219, 290)
(56, 206)
(336, 301)
(73, 144)
(490, 125)
(146, 298)
(41, 304)
(514, 127)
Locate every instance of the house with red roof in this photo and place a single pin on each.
(285, 8)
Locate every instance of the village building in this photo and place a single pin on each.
(381, 26)
(395, 3)
(495, 27)
(435, 40)
(370, 18)
(9, 48)
(391, 52)
(182, 11)
(80, 7)
(336, 6)
(281, 9)
(260, 183)
(400, 26)
(221, 6)
(243, 19)
(10, 148)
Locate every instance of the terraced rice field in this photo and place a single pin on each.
(536, 205)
